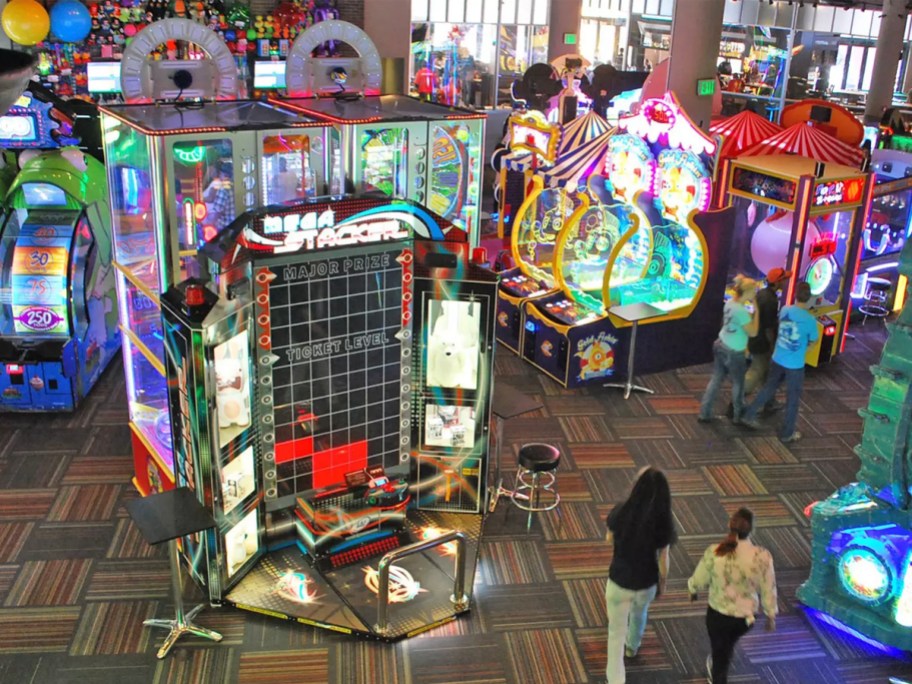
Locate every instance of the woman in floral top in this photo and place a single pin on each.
(741, 579)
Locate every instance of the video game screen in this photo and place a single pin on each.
(103, 77)
(888, 226)
(43, 195)
(336, 385)
(269, 75)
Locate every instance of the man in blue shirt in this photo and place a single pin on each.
(797, 330)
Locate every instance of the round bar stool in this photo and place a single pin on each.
(538, 461)
(875, 299)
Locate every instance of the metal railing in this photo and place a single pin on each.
(459, 599)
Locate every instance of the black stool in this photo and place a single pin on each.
(875, 299)
(537, 460)
(168, 517)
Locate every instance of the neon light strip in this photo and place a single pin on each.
(141, 286)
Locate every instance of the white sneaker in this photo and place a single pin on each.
(709, 668)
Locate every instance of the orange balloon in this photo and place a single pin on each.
(25, 21)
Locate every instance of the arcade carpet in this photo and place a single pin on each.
(77, 580)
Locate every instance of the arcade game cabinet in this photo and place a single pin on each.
(861, 574)
(807, 217)
(178, 176)
(632, 246)
(399, 147)
(330, 378)
(58, 318)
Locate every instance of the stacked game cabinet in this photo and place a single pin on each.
(861, 570)
(58, 312)
(807, 217)
(646, 237)
(395, 146)
(330, 377)
(177, 177)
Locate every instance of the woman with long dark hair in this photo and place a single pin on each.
(642, 530)
(741, 579)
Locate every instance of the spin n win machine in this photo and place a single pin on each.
(646, 236)
(807, 217)
(861, 548)
(178, 176)
(58, 314)
(330, 380)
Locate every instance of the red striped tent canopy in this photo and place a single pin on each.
(741, 131)
(807, 141)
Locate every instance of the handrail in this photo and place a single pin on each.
(459, 599)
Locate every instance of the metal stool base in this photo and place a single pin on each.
(179, 628)
(531, 491)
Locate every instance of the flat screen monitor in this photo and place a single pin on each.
(43, 195)
(104, 77)
(268, 75)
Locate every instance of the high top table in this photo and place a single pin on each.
(633, 314)
(507, 402)
(167, 517)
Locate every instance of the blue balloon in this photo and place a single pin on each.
(70, 21)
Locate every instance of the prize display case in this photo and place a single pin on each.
(178, 176)
(399, 147)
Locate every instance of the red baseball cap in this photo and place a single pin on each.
(777, 274)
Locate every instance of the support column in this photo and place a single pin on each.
(388, 23)
(696, 31)
(564, 18)
(886, 59)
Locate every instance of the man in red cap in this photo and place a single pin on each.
(762, 344)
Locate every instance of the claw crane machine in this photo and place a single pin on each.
(177, 177)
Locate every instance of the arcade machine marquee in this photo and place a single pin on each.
(348, 347)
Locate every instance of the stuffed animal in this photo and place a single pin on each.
(453, 347)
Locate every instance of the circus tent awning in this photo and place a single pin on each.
(580, 131)
(741, 131)
(807, 141)
(578, 163)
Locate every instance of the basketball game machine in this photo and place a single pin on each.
(58, 314)
(178, 175)
(330, 379)
(795, 213)
(646, 237)
(391, 145)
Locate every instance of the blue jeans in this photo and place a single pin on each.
(794, 380)
(733, 364)
(627, 610)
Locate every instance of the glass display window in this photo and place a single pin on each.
(826, 268)
(242, 542)
(287, 175)
(238, 480)
(538, 229)
(231, 360)
(455, 164)
(384, 155)
(453, 344)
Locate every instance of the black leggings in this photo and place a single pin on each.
(724, 632)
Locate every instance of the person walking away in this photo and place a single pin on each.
(739, 324)
(797, 331)
(741, 579)
(641, 530)
(761, 345)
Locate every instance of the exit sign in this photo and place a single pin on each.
(569, 39)
(706, 86)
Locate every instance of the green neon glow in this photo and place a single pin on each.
(190, 155)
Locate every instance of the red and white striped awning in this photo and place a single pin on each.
(807, 141)
(741, 131)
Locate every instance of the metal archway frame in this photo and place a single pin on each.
(296, 72)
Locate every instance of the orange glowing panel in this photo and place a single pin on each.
(38, 260)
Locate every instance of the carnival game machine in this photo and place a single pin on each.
(795, 213)
(533, 244)
(647, 237)
(399, 147)
(861, 568)
(178, 176)
(887, 227)
(330, 379)
(58, 319)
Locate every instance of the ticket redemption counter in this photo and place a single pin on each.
(400, 147)
(330, 384)
(178, 176)
(533, 244)
(58, 313)
(793, 214)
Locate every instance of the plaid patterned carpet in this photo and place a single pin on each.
(76, 579)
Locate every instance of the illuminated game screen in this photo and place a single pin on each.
(103, 77)
(827, 252)
(268, 75)
(888, 225)
(18, 128)
(336, 385)
(43, 195)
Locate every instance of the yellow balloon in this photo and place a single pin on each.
(25, 22)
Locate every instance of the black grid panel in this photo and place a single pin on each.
(337, 381)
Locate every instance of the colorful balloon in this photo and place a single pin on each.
(71, 21)
(25, 22)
